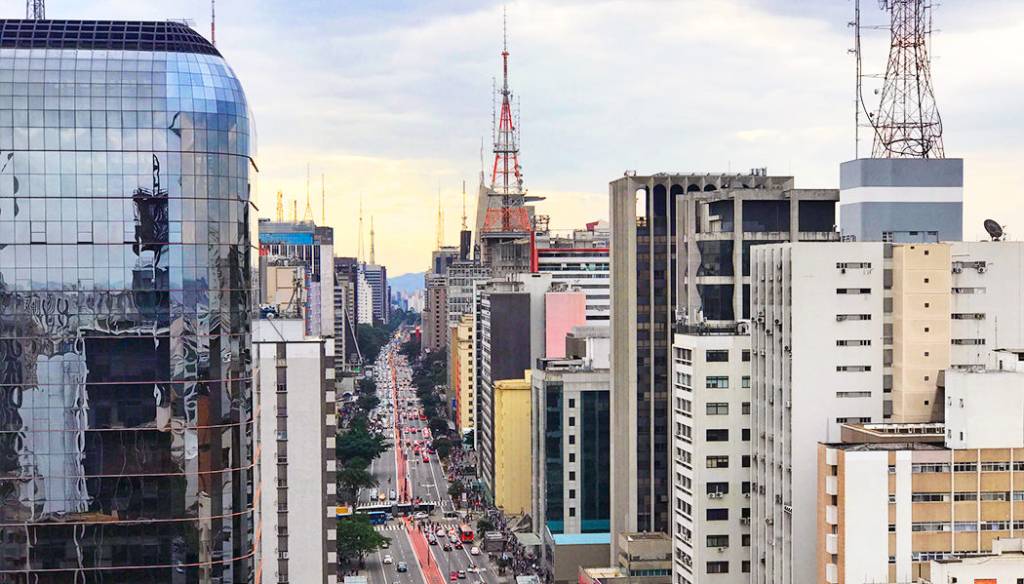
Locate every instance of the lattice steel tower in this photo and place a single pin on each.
(907, 124)
(506, 175)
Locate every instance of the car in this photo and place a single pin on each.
(474, 551)
(441, 532)
(457, 545)
(454, 576)
(447, 547)
(393, 495)
(421, 516)
(385, 544)
(388, 559)
(431, 540)
(426, 458)
(402, 567)
(462, 574)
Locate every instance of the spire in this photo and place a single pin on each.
(440, 221)
(359, 250)
(279, 216)
(506, 176)
(307, 215)
(373, 253)
(464, 206)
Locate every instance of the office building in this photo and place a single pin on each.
(512, 478)
(894, 498)
(902, 200)
(643, 558)
(434, 317)
(460, 280)
(346, 303)
(441, 259)
(314, 246)
(645, 234)
(571, 500)
(580, 260)
(126, 302)
(816, 314)
(711, 364)
(297, 457)
(1003, 566)
(377, 278)
(510, 338)
(463, 374)
(364, 299)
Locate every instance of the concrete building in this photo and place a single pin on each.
(346, 317)
(364, 299)
(510, 325)
(377, 278)
(902, 200)
(461, 279)
(711, 364)
(564, 309)
(1004, 565)
(512, 466)
(647, 222)
(582, 262)
(642, 558)
(816, 310)
(314, 245)
(463, 374)
(297, 428)
(434, 318)
(571, 461)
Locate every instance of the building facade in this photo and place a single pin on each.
(126, 302)
(296, 396)
(377, 278)
(463, 374)
(314, 246)
(581, 262)
(346, 306)
(434, 317)
(512, 467)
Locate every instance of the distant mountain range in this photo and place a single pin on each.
(407, 282)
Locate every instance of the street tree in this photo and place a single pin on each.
(357, 538)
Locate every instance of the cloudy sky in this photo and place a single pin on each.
(391, 98)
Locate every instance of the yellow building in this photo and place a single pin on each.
(463, 381)
(921, 308)
(513, 475)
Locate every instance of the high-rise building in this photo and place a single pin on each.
(644, 216)
(460, 279)
(434, 318)
(297, 470)
(346, 303)
(314, 245)
(126, 301)
(463, 373)
(858, 333)
(582, 261)
(364, 299)
(571, 462)
(711, 363)
(377, 278)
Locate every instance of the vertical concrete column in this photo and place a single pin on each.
(737, 256)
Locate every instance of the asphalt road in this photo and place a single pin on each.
(426, 481)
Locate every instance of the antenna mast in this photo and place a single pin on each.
(213, 22)
(35, 9)
(440, 221)
(307, 215)
(373, 253)
(908, 124)
(279, 216)
(506, 177)
(464, 228)
(359, 249)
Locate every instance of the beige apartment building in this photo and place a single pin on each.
(462, 372)
(894, 497)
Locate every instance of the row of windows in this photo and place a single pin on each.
(723, 461)
(942, 467)
(722, 408)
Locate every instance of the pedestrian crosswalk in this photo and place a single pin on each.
(389, 527)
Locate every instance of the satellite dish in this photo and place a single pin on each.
(994, 229)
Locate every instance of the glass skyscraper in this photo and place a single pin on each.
(126, 422)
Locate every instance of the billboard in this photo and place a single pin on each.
(287, 238)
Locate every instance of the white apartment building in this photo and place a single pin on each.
(711, 457)
(586, 268)
(364, 311)
(297, 482)
(817, 316)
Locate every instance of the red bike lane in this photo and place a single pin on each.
(428, 564)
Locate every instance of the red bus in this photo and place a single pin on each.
(465, 533)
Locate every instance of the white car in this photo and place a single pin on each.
(420, 516)
(474, 551)
(387, 559)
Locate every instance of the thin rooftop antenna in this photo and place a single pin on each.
(307, 215)
(323, 199)
(464, 228)
(213, 22)
(35, 9)
(373, 252)
(359, 250)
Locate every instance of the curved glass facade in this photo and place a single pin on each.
(126, 422)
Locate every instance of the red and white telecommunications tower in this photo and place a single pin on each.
(506, 176)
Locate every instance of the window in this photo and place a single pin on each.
(572, 512)
(746, 461)
(852, 265)
(842, 317)
(853, 290)
(718, 462)
(572, 421)
(745, 540)
(746, 355)
(853, 368)
(853, 394)
(745, 382)
(719, 488)
(745, 566)
(716, 356)
(931, 467)
(717, 514)
(718, 541)
(746, 408)
(929, 497)
(572, 457)
(572, 493)
(717, 382)
(572, 402)
(853, 420)
(718, 567)
(717, 408)
(572, 475)
(572, 439)
(853, 343)
(715, 435)
(745, 434)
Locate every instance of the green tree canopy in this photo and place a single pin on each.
(442, 446)
(484, 525)
(356, 538)
(353, 477)
(367, 402)
(357, 442)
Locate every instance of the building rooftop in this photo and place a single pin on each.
(582, 538)
(110, 35)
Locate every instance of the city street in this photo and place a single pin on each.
(411, 476)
